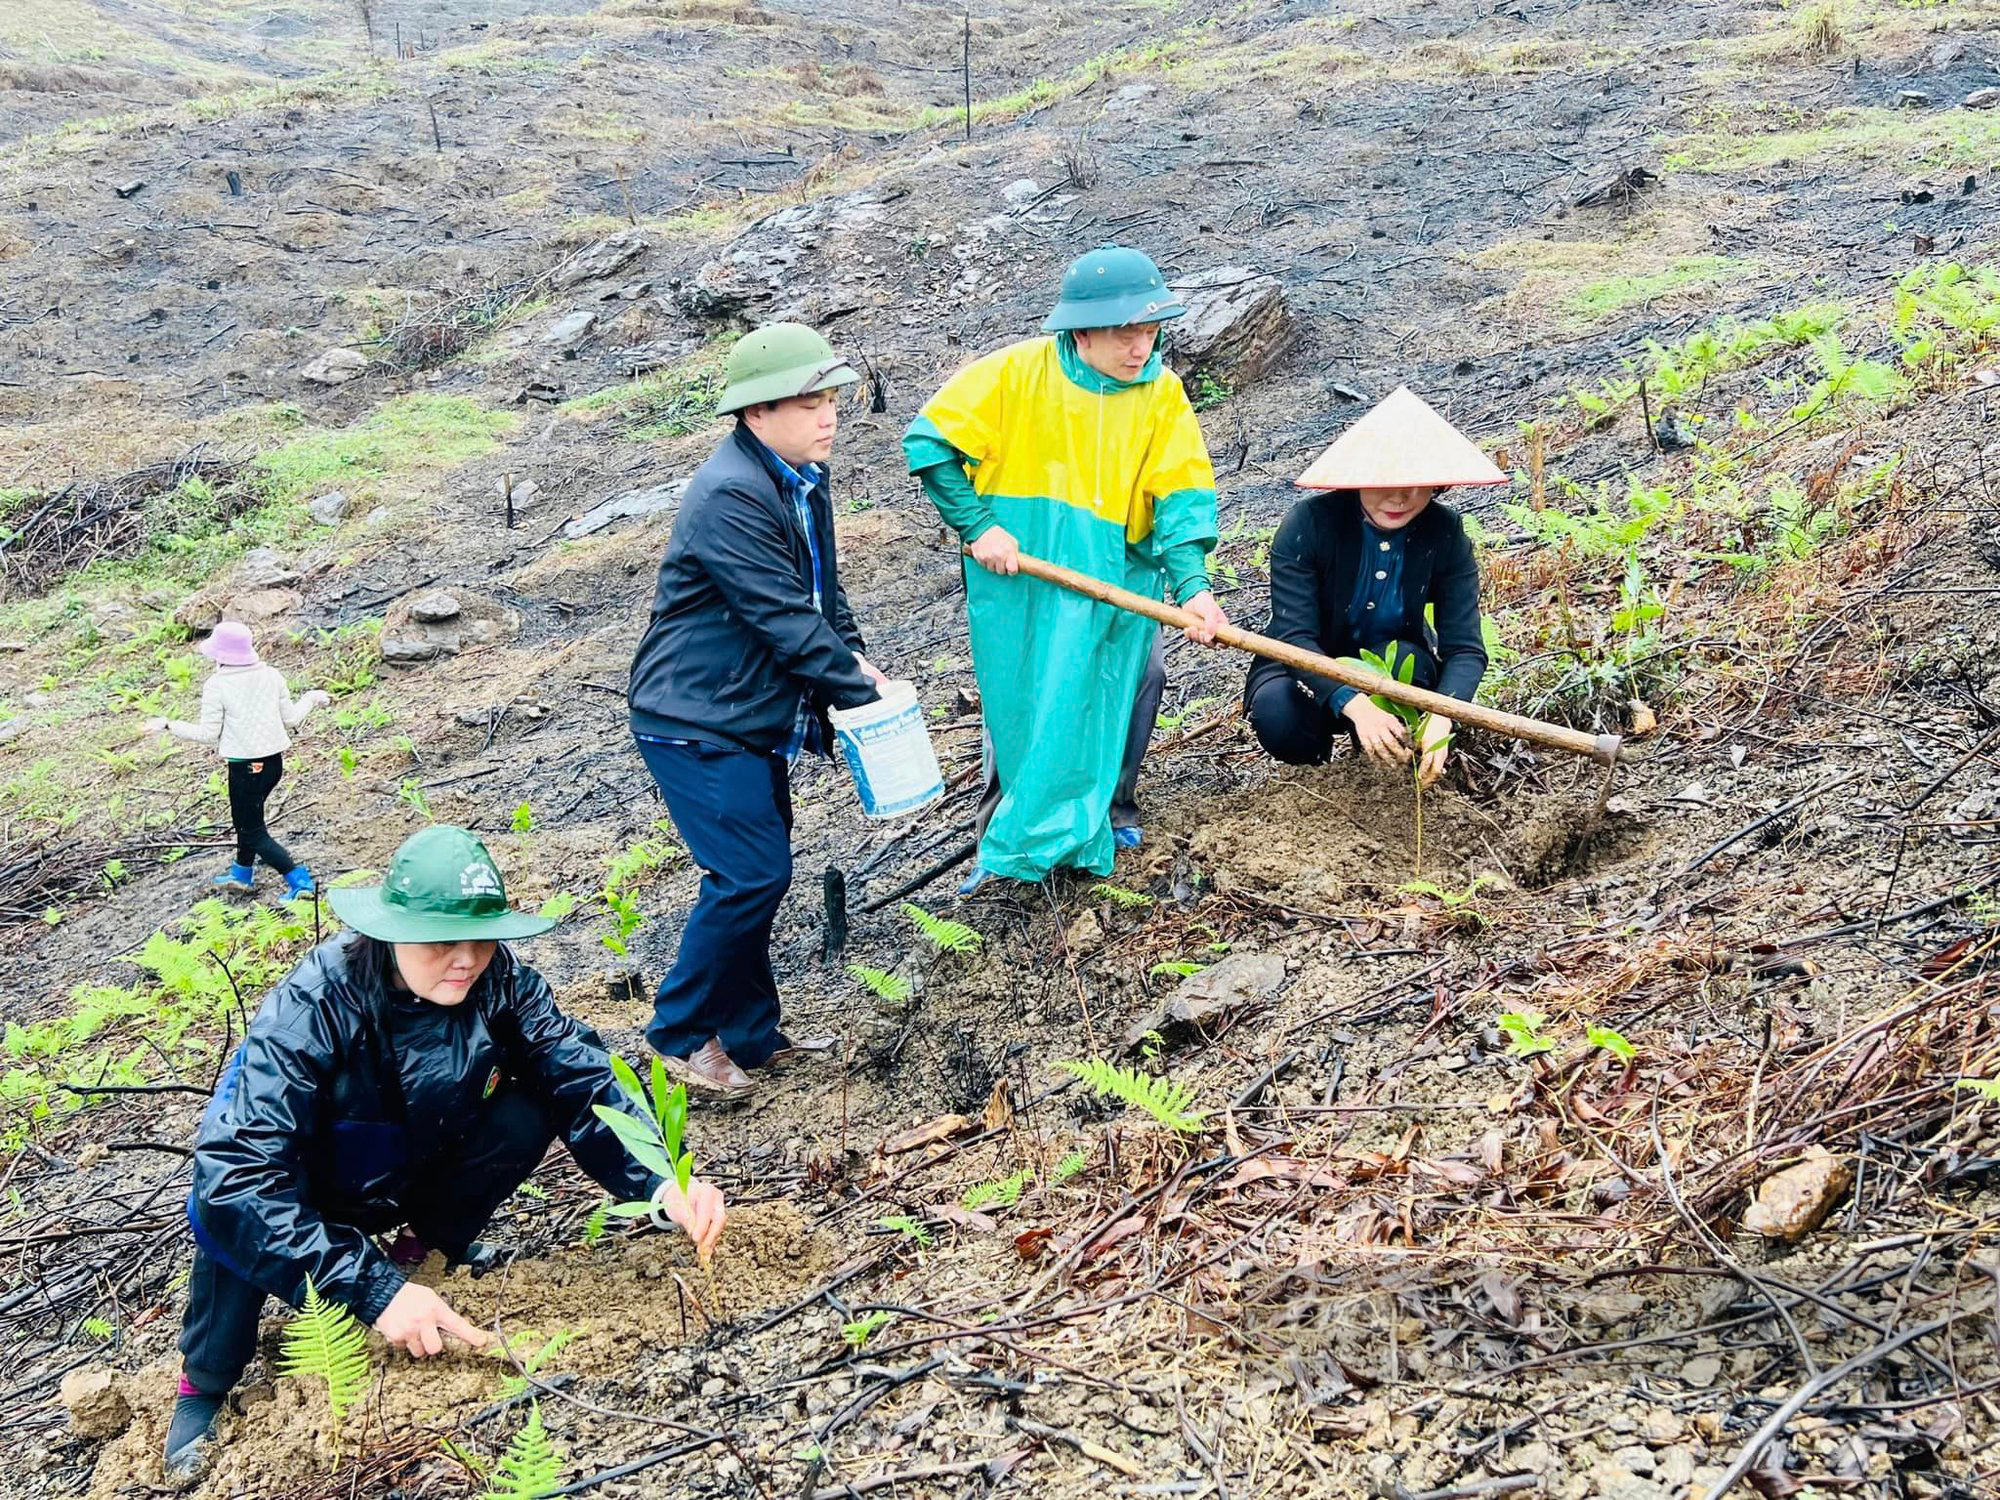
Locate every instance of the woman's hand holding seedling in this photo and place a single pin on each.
(1436, 740)
(698, 1210)
(1381, 735)
(417, 1319)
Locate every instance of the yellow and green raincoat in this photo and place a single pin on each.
(1105, 476)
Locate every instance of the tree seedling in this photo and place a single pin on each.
(1461, 907)
(1611, 1041)
(1524, 1031)
(865, 1327)
(524, 818)
(1400, 665)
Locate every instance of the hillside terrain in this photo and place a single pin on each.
(396, 339)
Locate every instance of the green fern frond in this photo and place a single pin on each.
(891, 987)
(908, 1227)
(1070, 1165)
(1177, 968)
(1986, 1088)
(593, 1227)
(531, 1468)
(325, 1342)
(1004, 1193)
(945, 935)
(1168, 1102)
(1118, 894)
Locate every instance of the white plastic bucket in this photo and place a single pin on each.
(888, 750)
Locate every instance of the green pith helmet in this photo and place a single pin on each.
(777, 361)
(1111, 287)
(442, 887)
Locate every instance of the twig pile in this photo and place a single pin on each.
(106, 518)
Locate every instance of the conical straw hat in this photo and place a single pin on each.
(1400, 443)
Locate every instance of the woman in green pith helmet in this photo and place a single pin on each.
(412, 1072)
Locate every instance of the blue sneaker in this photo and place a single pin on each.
(971, 884)
(237, 878)
(299, 882)
(1128, 838)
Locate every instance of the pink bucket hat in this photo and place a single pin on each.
(231, 645)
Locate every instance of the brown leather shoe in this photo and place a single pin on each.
(799, 1049)
(711, 1070)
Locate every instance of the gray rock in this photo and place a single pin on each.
(331, 508)
(335, 367)
(1636, 1458)
(1674, 1467)
(262, 568)
(1913, 99)
(12, 730)
(1021, 192)
(1611, 1480)
(606, 257)
(1982, 98)
(476, 621)
(571, 329)
(1702, 1371)
(1236, 326)
(434, 605)
(1215, 993)
(765, 270)
(625, 506)
(525, 490)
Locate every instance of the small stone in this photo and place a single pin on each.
(1085, 935)
(97, 1407)
(1982, 98)
(1021, 192)
(524, 491)
(433, 605)
(1793, 1203)
(606, 257)
(1532, 1458)
(1638, 1459)
(255, 606)
(1217, 992)
(95, 1154)
(1912, 99)
(262, 568)
(1702, 1371)
(331, 508)
(571, 329)
(1674, 1467)
(1661, 1426)
(714, 1386)
(335, 367)
(1611, 1480)
(12, 730)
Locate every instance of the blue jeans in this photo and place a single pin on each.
(733, 810)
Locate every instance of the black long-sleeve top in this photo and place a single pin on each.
(1315, 559)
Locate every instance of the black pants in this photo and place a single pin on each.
(1300, 730)
(447, 1207)
(251, 783)
(1138, 735)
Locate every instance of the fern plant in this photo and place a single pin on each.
(593, 1226)
(944, 934)
(1170, 1103)
(1119, 895)
(1070, 1166)
(531, 1468)
(1003, 1193)
(326, 1343)
(880, 983)
(531, 1364)
(908, 1228)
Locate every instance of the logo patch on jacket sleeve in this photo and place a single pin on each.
(492, 1083)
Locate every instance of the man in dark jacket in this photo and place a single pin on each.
(751, 641)
(412, 1072)
(1356, 569)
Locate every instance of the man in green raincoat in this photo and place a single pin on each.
(1080, 448)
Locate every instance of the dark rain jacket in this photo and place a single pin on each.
(1314, 558)
(313, 1137)
(734, 641)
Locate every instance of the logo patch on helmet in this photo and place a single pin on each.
(492, 1083)
(478, 879)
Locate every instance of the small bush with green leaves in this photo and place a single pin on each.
(1167, 1101)
(1523, 1029)
(325, 1342)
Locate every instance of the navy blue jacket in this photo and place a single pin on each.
(734, 640)
(1314, 558)
(304, 1153)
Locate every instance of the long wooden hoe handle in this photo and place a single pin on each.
(1602, 748)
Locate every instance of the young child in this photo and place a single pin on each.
(247, 712)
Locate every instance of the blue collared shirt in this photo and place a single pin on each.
(1375, 613)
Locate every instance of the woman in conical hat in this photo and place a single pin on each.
(1353, 568)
